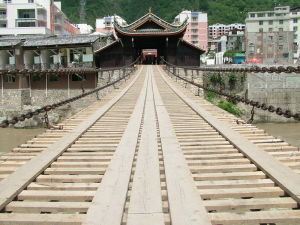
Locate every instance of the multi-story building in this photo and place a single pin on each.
(219, 30)
(106, 24)
(273, 36)
(196, 32)
(33, 17)
(236, 40)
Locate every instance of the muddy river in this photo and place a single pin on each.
(289, 132)
(11, 138)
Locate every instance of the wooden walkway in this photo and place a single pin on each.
(151, 153)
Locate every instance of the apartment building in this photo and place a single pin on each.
(274, 36)
(20, 17)
(236, 40)
(196, 32)
(106, 24)
(219, 30)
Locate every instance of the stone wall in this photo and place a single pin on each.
(280, 90)
(14, 102)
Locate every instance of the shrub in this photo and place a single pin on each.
(231, 108)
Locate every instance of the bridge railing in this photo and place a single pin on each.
(126, 72)
(173, 70)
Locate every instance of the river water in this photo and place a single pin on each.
(289, 132)
(11, 138)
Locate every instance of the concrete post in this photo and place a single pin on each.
(45, 58)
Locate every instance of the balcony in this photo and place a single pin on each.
(26, 22)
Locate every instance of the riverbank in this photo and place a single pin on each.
(289, 132)
(11, 137)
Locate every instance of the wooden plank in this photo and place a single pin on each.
(247, 204)
(40, 219)
(56, 195)
(285, 177)
(109, 201)
(63, 186)
(53, 207)
(241, 192)
(145, 205)
(234, 183)
(16, 182)
(283, 216)
(186, 206)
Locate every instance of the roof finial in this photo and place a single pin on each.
(150, 10)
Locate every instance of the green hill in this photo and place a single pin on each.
(219, 11)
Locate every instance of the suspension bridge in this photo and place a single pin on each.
(151, 152)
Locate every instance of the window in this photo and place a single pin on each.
(280, 29)
(295, 36)
(285, 55)
(270, 22)
(270, 29)
(30, 1)
(295, 20)
(280, 47)
(252, 15)
(295, 28)
(251, 48)
(261, 22)
(280, 21)
(270, 14)
(260, 14)
(77, 77)
(9, 79)
(7, 1)
(280, 38)
(2, 24)
(261, 30)
(270, 38)
(2, 14)
(26, 13)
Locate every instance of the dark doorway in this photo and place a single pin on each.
(149, 56)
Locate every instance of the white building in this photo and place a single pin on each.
(279, 28)
(196, 32)
(217, 30)
(85, 28)
(33, 17)
(106, 24)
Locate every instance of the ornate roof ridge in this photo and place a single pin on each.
(145, 18)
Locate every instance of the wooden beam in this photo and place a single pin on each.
(145, 206)
(186, 205)
(109, 201)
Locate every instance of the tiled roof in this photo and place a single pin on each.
(9, 43)
(47, 40)
(61, 40)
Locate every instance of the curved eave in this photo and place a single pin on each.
(167, 33)
(106, 47)
(193, 46)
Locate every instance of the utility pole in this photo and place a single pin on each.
(82, 11)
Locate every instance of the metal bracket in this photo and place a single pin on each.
(252, 116)
(50, 126)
